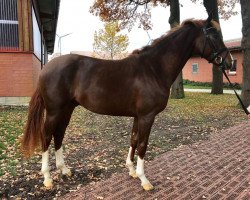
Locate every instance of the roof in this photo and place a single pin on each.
(48, 12)
(234, 44)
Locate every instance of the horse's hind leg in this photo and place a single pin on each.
(60, 162)
(58, 138)
(133, 145)
(55, 124)
(49, 127)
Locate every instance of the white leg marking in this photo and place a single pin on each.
(45, 169)
(140, 173)
(60, 162)
(130, 165)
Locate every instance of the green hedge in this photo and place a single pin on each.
(207, 84)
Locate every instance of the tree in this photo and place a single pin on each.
(127, 11)
(245, 43)
(177, 90)
(225, 7)
(131, 11)
(108, 43)
(217, 83)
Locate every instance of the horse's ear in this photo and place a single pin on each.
(209, 19)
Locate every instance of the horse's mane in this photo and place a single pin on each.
(196, 23)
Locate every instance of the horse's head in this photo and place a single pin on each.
(211, 46)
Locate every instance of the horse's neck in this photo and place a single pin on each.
(176, 54)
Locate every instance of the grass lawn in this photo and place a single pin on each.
(11, 127)
(203, 87)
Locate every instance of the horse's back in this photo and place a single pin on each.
(60, 63)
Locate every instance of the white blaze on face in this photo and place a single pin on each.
(248, 108)
(231, 58)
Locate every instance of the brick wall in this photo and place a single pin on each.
(36, 70)
(204, 73)
(18, 74)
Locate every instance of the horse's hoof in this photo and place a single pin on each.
(148, 186)
(48, 183)
(67, 172)
(133, 174)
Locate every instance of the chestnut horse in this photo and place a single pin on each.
(137, 86)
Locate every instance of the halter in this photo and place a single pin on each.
(215, 56)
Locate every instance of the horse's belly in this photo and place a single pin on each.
(107, 106)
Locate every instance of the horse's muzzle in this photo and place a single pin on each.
(228, 62)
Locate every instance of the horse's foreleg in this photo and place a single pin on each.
(140, 173)
(144, 124)
(131, 153)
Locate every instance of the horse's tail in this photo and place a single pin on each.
(34, 130)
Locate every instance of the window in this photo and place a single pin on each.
(233, 70)
(195, 68)
(8, 25)
(36, 36)
(40, 49)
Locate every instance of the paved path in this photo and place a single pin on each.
(209, 91)
(218, 168)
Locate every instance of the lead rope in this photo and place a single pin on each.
(241, 103)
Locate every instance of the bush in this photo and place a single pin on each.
(207, 84)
